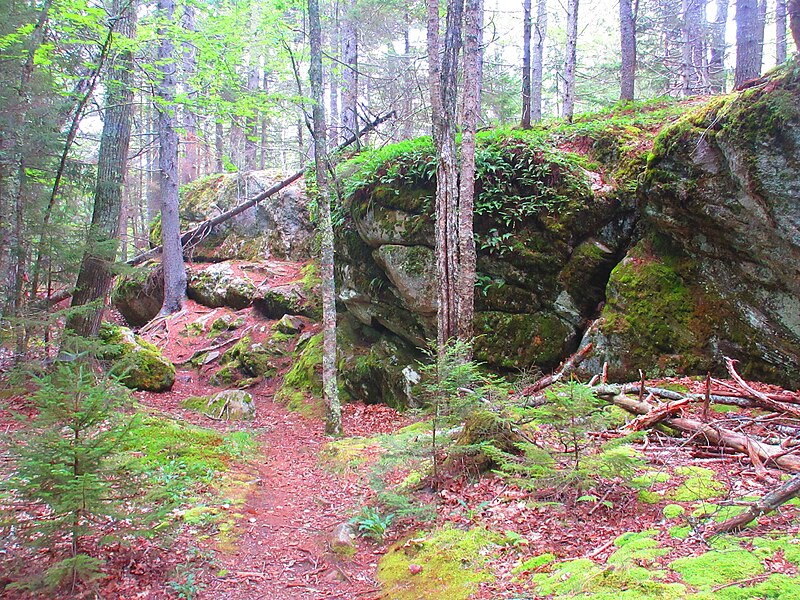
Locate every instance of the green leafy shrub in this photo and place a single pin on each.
(372, 523)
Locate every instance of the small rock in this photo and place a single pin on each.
(233, 404)
(341, 539)
(414, 569)
(289, 324)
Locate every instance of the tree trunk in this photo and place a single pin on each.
(191, 166)
(219, 146)
(570, 59)
(526, 64)
(537, 74)
(716, 65)
(748, 53)
(172, 252)
(334, 80)
(333, 420)
(95, 275)
(443, 75)
(627, 28)
(473, 75)
(780, 31)
(793, 8)
(349, 118)
(408, 82)
(251, 123)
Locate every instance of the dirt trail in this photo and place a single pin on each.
(281, 550)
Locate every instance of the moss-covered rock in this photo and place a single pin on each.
(139, 364)
(723, 184)
(301, 389)
(447, 563)
(233, 405)
(217, 285)
(139, 293)
(280, 226)
(246, 362)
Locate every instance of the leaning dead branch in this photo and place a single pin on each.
(569, 365)
(762, 400)
(780, 495)
(658, 414)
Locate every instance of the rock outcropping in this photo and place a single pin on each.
(718, 272)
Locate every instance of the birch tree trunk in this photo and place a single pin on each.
(333, 417)
(748, 54)
(526, 64)
(537, 74)
(570, 59)
(95, 275)
(349, 118)
(627, 27)
(172, 253)
(473, 76)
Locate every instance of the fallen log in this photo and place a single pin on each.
(195, 235)
(658, 414)
(780, 495)
(711, 435)
(635, 388)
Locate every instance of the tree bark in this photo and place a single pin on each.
(780, 31)
(526, 64)
(570, 59)
(349, 119)
(443, 84)
(748, 54)
(172, 250)
(537, 72)
(473, 76)
(95, 275)
(191, 166)
(793, 8)
(766, 504)
(251, 123)
(716, 65)
(333, 417)
(627, 28)
(693, 51)
(219, 146)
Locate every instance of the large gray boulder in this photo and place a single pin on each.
(278, 227)
(719, 271)
(218, 285)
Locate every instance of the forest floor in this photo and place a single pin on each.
(263, 528)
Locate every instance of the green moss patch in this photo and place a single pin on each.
(699, 485)
(718, 567)
(453, 563)
(301, 389)
(139, 364)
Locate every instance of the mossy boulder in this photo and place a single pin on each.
(724, 184)
(301, 389)
(447, 563)
(236, 405)
(246, 362)
(217, 285)
(139, 364)
(138, 294)
(278, 227)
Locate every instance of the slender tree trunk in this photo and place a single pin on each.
(172, 253)
(526, 64)
(333, 113)
(191, 165)
(349, 118)
(627, 27)
(408, 82)
(760, 31)
(539, 37)
(219, 146)
(251, 126)
(780, 31)
(333, 420)
(570, 59)
(95, 275)
(793, 8)
(443, 79)
(716, 65)
(748, 53)
(473, 76)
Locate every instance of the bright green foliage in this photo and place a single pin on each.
(452, 563)
(372, 523)
(301, 389)
(68, 460)
(718, 567)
